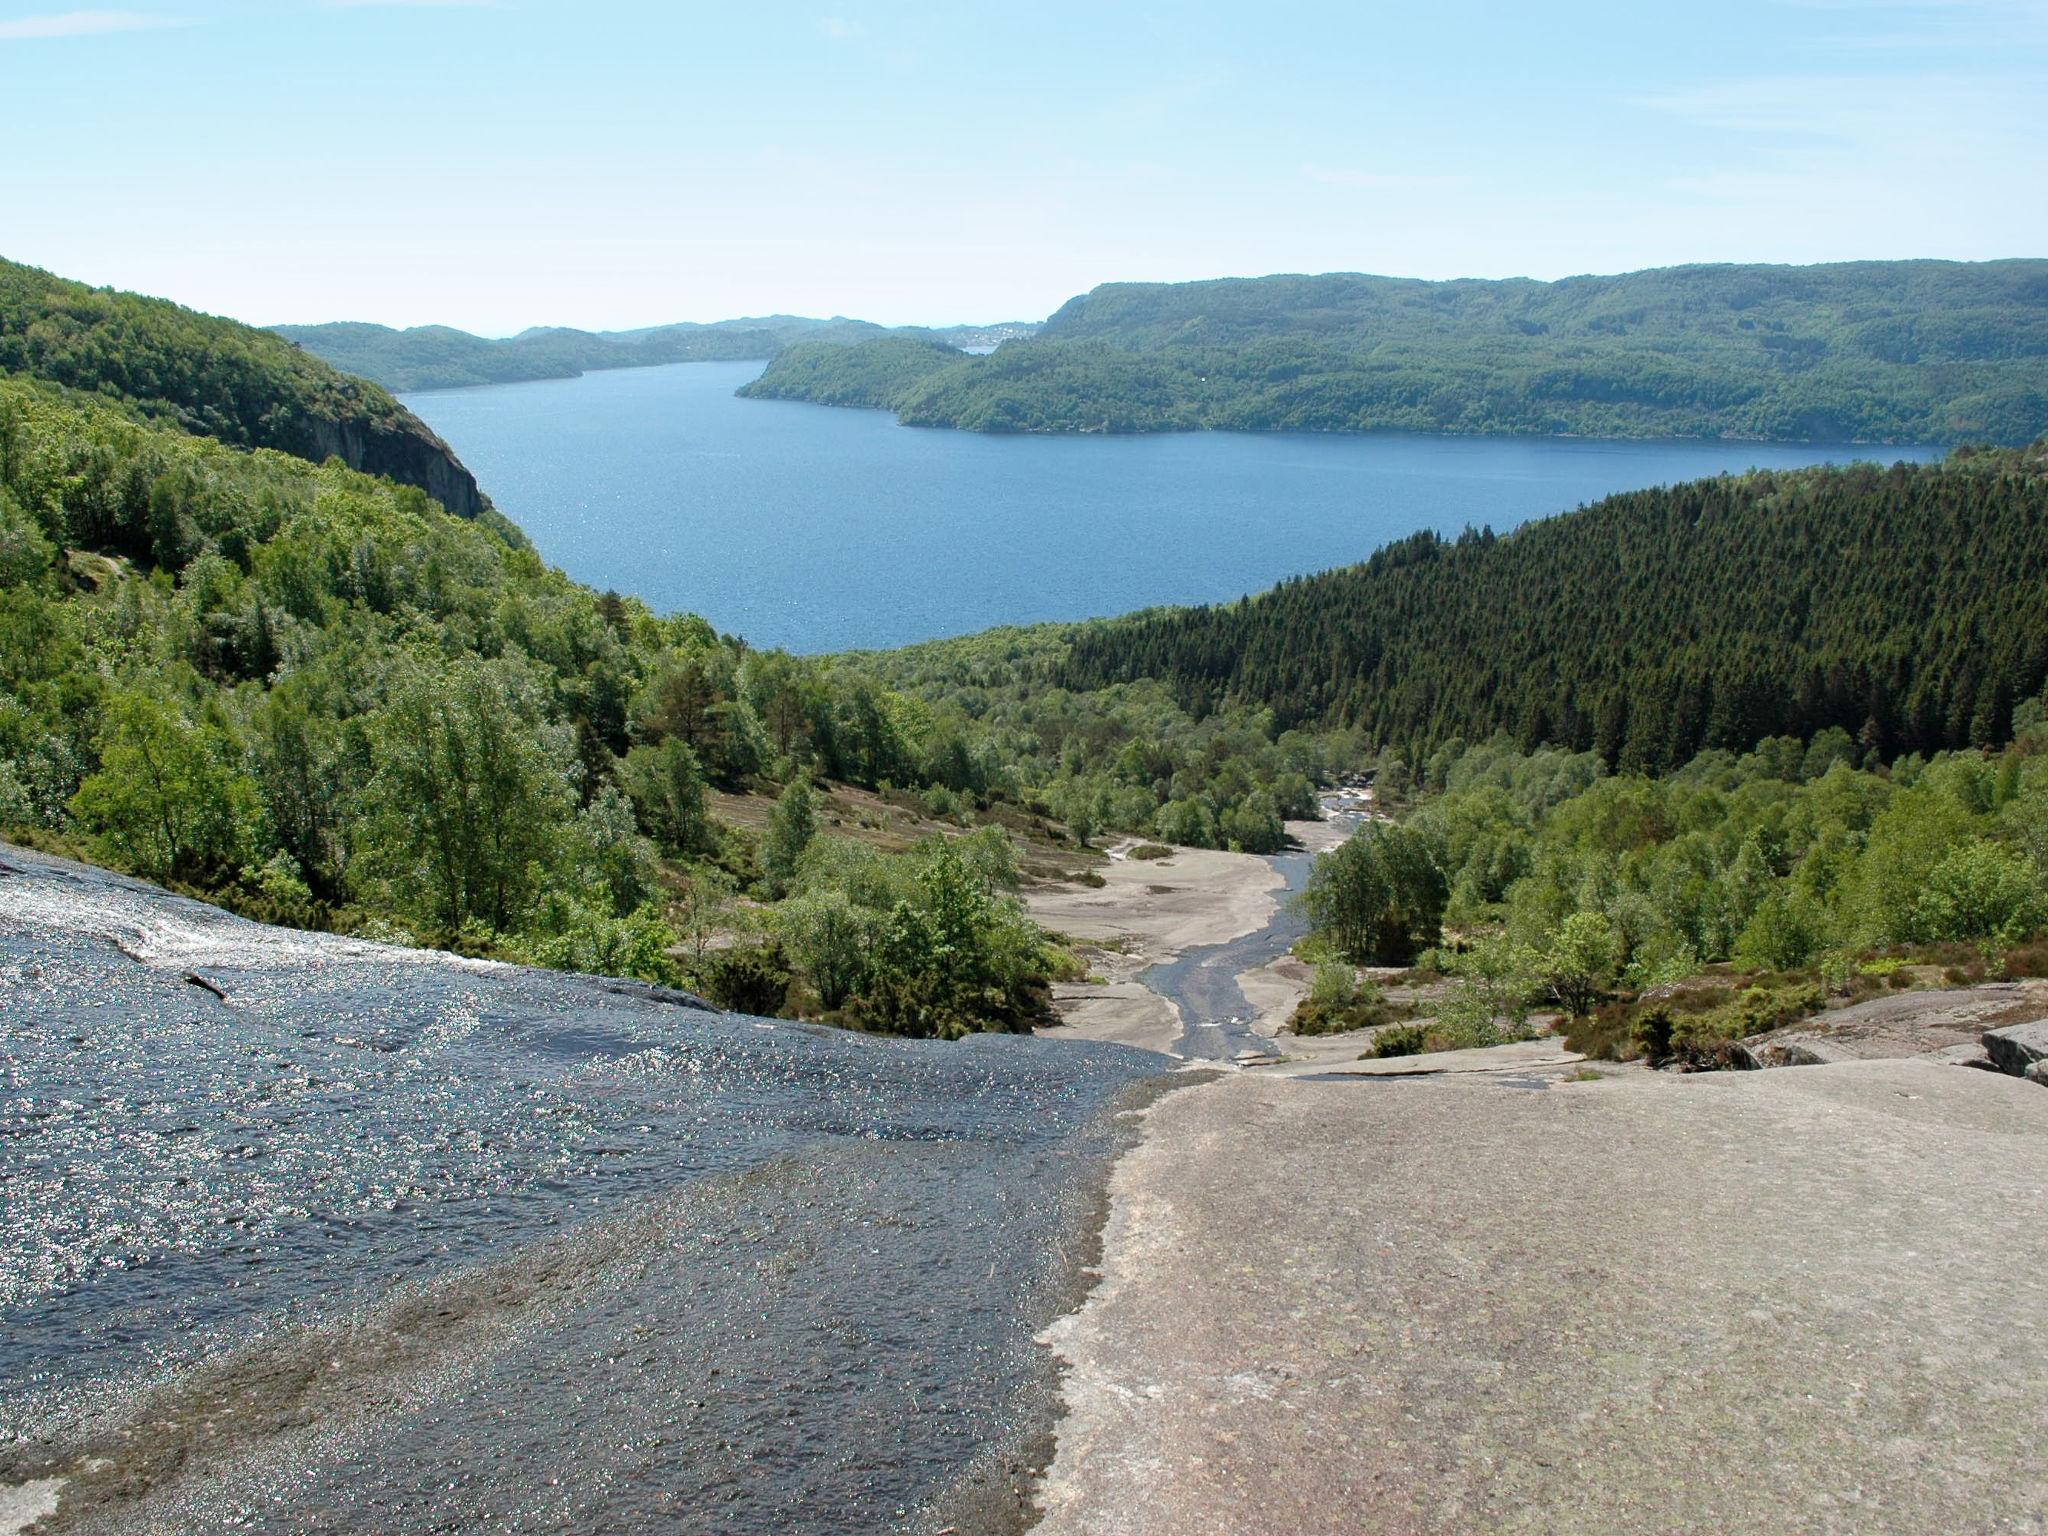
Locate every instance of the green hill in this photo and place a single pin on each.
(1913, 351)
(1907, 606)
(871, 373)
(440, 357)
(218, 378)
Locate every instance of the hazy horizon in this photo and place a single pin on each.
(979, 321)
(495, 164)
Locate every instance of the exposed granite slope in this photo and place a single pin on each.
(1765, 1302)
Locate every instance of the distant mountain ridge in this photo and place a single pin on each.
(441, 357)
(1883, 351)
(218, 378)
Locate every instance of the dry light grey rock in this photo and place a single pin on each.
(1794, 1303)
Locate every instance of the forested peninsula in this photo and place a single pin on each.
(441, 357)
(1870, 352)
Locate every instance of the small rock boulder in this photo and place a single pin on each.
(2019, 1048)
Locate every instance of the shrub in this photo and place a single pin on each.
(1150, 851)
(1707, 1040)
(1603, 1034)
(1651, 1033)
(2027, 959)
(750, 978)
(1401, 1040)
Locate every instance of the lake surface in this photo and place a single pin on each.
(817, 528)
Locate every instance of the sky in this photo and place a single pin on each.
(495, 164)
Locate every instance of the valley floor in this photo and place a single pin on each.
(1501, 1290)
(1147, 912)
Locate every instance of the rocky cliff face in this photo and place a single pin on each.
(404, 449)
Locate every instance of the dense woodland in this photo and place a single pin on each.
(874, 373)
(1671, 916)
(1907, 606)
(440, 357)
(1929, 352)
(1755, 719)
(245, 387)
(318, 697)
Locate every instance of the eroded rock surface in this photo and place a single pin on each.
(1746, 1304)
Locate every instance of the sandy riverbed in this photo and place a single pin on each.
(1145, 912)
(1148, 911)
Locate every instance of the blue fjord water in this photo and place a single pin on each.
(817, 528)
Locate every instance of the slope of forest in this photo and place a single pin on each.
(316, 697)
(1907, 606)
(440, 357)
(873, 373)
(206, 375)
(1914, 351)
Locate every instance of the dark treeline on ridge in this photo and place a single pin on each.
(202, 374)
(1907, 351)
(1907, 606)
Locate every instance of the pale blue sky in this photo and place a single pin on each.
(499, 163)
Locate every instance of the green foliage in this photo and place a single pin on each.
(1400, 1040)
(874, 372)
(1877, 612)
(1579, 961)
(1866, 352)
(573, 935)
(1984, 893)
(26, 553)
(166, 799)
(1497, 982)
(473, 794)
(201, 374)
(746, 978)
(1785, 933)
(954, 955)
(791, 826)
(1703, 1039)
(666, 785)
(1379, 897)
(829, 938)
(1339, 1001)
(1125, 758)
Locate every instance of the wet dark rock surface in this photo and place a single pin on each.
(304, 1234)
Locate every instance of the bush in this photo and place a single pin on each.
(750, 978)
(1604, 1034)
(1150, 851)
(1651, 1033)
(1401, 1040)
(2027, 960)
(1364, 1009)
(1706, 1040)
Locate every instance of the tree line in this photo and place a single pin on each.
(1906, 606)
